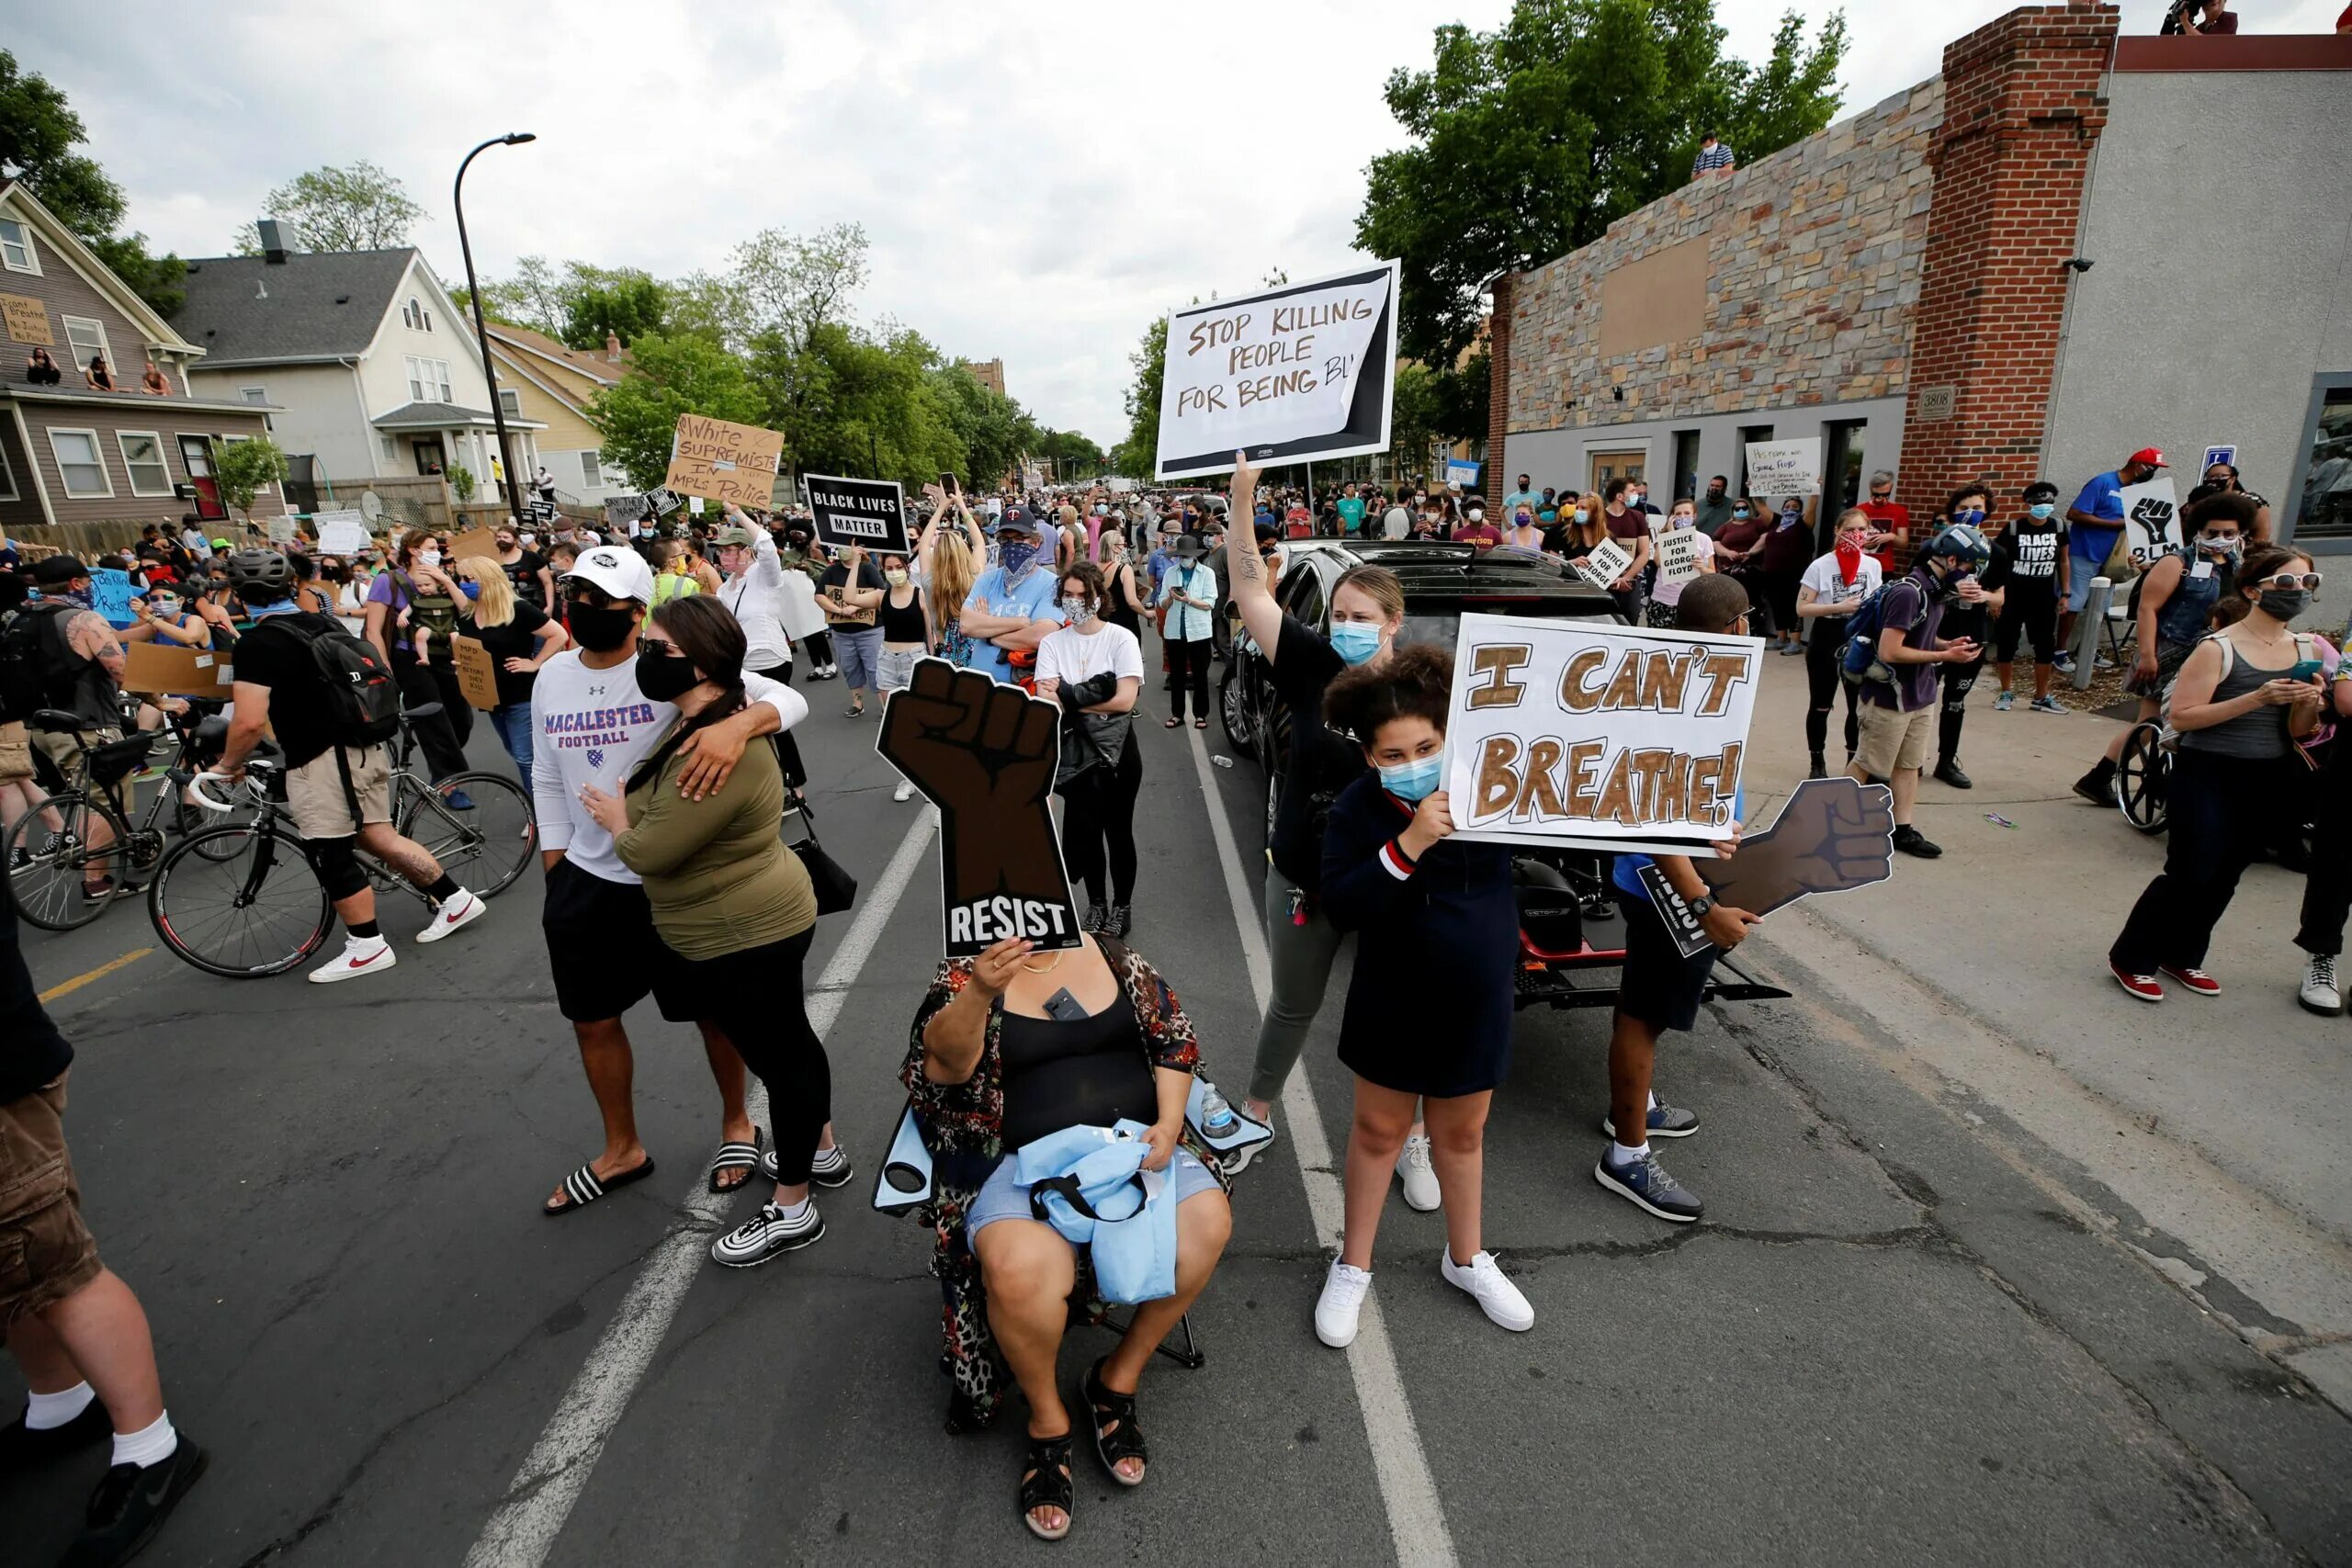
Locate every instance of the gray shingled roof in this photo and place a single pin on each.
(242, 310)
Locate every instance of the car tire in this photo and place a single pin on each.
(1231, 711)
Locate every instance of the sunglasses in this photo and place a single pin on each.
(2292, 579)
(587, 596)
(658, 647)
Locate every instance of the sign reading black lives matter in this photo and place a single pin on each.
(985, 754)
(870, 513)
(1303, 371)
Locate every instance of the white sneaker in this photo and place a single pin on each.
(769, 1234)
(904, 792)
(361, 955)
(1340, 1303)
(2321, 992)
(461, 910)
(1413, 1170)
(1495, 1295)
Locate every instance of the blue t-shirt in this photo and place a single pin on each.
(1627, 873)
(2102, 499)
(1034, 597)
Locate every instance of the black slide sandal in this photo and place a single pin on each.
(1117, 1411)
(745, 1158)
(1046, 1483)
(585, 1186)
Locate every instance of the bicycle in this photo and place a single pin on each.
(243, 900)
(51, 869)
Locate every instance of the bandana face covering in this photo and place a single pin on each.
(1849, 558)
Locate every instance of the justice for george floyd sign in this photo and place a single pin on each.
(1597, 737)
(848, 512)
(1299, 372)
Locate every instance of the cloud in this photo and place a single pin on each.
(1040, 177)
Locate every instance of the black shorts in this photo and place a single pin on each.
(1658, 985)
(603, 949)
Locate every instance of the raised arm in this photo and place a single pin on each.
(1253, 597)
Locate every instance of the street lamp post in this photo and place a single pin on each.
(481, 329)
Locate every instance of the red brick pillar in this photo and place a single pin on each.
(1498, 390)
(2022, 115)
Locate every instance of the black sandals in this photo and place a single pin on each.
(745, 1158)
(1046, 1483)
(585, 1186)
(1112, 1416)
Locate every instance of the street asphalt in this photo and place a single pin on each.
(1887, 1342)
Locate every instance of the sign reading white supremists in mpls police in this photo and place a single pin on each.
(1299, 372)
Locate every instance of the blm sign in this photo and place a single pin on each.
(849, 513)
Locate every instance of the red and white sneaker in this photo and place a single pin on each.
(460, 909)
(361, 955)
(2143, 986)
(2196, 981)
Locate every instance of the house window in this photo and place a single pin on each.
(80, 465)
(87, 337)
(428, 380)
(8, 477)
(510, 402)
(142, 455)
(592, 469)
(16, 247)
(253, 394)
(391, 450)
(415, 316)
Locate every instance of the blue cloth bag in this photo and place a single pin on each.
(1089, 1184)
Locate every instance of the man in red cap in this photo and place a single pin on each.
(2094, 523)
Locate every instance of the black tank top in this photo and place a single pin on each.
(1118, 612)
(1089, 1072)
(902, 624)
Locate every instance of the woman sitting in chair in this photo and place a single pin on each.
(1008, 1047)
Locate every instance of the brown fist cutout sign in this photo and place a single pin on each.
(1833, 836)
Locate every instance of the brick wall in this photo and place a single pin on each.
(1498, 381)
(2022, 116)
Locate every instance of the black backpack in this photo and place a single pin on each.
(362, 699)
(37, 670)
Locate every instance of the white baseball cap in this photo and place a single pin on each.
(621, 573)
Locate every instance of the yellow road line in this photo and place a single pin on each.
(100, 973)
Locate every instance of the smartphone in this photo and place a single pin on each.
(948, 483)
(2304, 669)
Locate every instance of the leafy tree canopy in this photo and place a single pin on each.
(359, 207)
(39, 137)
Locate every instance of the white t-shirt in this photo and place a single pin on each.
(1071, 655)
(1829, 585)
(1667, 592)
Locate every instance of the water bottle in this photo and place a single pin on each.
(1217, 1120)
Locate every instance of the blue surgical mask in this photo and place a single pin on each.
(1735, 512)
(1412, 781)
(1355, 641)
(470, 589)
(2042, 508)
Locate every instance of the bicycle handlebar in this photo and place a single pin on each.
(254, 771)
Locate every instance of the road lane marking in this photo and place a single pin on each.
(554, 1474)
(1415, 1517)
(66, 988)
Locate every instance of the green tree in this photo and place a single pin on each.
(40, 135)
(621, 300)
(675, 375)
(534, 297)
(359, 207)
(1138, 454)
(243, 468)
(1529, 141)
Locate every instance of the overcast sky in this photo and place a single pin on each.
(1040, 177)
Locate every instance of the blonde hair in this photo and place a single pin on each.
(1849, 515)
(494, 606)
(1376, 583)
(952, 574)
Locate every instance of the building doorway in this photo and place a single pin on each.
(1602, 467)
(196, 457)
(1686, 464)
(1841, 473)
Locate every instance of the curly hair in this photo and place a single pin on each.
(1412, 683)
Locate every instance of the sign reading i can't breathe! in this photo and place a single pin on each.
(1597, 736)
(847, 512)
(723, 461)
(1299, 372)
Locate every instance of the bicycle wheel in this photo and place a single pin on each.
(485, 847)
(241, 909)
(2142, 776)
(49, 870)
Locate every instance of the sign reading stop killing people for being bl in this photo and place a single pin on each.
(1597, 736)
(850, 513)
(1297, 373)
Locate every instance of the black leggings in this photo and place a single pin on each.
(1187, 665)
(820, 650)
(1823, 655)
(2029, 614)
(443, 736)
(1099, 811)
(754, 995)
(788, 750)
(1958, 680)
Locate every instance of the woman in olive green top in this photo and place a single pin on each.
(732, 901)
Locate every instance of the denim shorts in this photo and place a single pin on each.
(1000, 1198)
(857, 649)
(895, 671)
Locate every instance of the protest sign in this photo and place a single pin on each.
(1299, 372)
(155, 669)
(477, 671)
(1784, 467)
(662, 502)
(1833, 836)
(1594, 736)
(1461, 474)
(846, 512)
(341, 533)
(28, 320)
(111, 595)
(2150, 520)
(280, 528)
(985, 754)
(480, 542)
(1605, 565)
(723, 461)
(1677, 555)
(620, 511)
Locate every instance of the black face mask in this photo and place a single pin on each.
(602, 630)
(666, 680)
